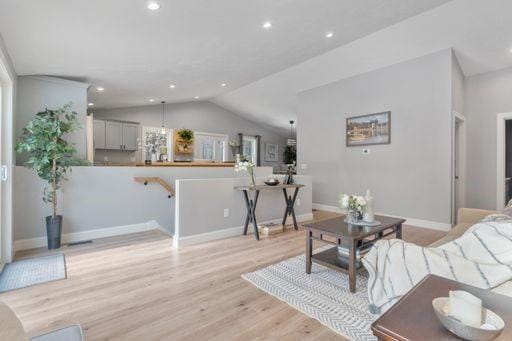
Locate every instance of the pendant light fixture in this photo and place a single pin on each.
(291, 141)
(163, 131)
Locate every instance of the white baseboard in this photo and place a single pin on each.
(433, 225)
(226, 233)
(25, 244)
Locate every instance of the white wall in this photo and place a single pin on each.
(36, 93)
(486, 96)
(411, 177)
(201, 116)
(201, 203)
(101, 197)
(8, 85)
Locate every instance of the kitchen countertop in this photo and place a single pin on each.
(168, 164)
(187, 164)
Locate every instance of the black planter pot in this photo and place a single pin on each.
(53, 231)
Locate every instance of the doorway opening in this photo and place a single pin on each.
(504, 160)
(458, 167)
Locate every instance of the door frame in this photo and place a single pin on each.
(500, 158)
(7, 83)
(460, 119)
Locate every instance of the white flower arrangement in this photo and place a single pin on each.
(244, 164)
(354, 203)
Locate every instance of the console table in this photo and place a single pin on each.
(250, 204)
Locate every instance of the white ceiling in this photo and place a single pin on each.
(135, 54)
(480, 32)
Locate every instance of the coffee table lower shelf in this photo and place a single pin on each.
(331, 259)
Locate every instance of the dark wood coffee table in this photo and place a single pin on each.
(413, 318)
(351, 236)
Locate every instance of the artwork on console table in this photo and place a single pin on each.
(271, 153)
(369, 129)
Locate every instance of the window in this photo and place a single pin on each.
(210, 147)
(249, 147)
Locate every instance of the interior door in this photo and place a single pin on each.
(113, 135)
(130, 136)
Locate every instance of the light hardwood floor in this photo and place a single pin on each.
(138, 287)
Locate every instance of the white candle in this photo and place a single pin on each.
(466, 307)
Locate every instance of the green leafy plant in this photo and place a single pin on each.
(186, 134)
(50, 156)
(290, 154)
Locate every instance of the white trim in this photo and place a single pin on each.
(226, 233)
(462, 166)
(433, 225)
(500, 159)
(61, 81)
(25, 244)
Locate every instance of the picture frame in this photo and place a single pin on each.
(271, 152)
(370, 129)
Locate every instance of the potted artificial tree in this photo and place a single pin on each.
(51, 157)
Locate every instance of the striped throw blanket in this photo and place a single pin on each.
(482, 257)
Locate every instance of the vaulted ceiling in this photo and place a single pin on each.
(197, 45)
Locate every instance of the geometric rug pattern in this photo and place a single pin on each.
(27, 272)
(323, 295)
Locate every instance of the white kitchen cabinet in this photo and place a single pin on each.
(130, 132)
(99, 134)
(113, 135)
(116, 135)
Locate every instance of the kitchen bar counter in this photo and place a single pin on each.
(168, 164)
(188, 164)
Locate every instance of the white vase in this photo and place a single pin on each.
(153, 157)
(368, 214)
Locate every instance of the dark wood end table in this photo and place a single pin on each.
(352, 236)
(251, 203)
(413, 317)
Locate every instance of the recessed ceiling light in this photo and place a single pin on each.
(267, 24)
(196, 97)
(223, 84)
(151, 100)
(153, 6)
(99, 88)
(172, 86)
(329, 35)
(91, 104)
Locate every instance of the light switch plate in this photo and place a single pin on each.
(303, 166)
(4, 173)
(226, 212)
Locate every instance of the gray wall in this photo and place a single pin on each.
(201, 116)
(486, 96)
(411, 177)
(37, 93)
(211, 196)
(99, 197)
(458, 86)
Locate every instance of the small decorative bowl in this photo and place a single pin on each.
(464, 331)
(272, 182)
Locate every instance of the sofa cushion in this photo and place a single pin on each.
(10, 326)
(457, 231)
(70, 333)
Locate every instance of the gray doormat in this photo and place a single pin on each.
(323, 295)
(27, 272)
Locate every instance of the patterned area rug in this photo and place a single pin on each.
(27, 272)
(323, 295)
